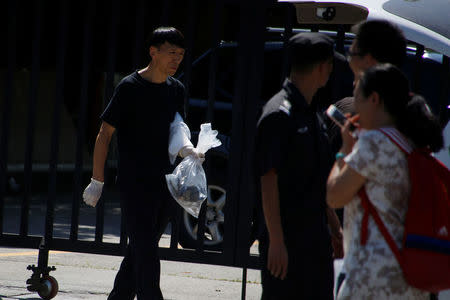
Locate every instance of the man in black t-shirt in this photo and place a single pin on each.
(142, 111)
(293, 158)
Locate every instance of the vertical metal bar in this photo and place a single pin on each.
(255, 57)
(6, 116)
(244, 283)
(290, 14)
(86, 64)
(340, 39)
(201, 229)
(43, 257)
(418, 68)
(213, 62)
(112, 54)
(445, 88)
(112, 44)
(123, 233)
(34, 86)
(212, 85)
(189, 34)
(56, 120)
(231, 207)
(248, 81)
(215, 40)
(139, 38)
(164, 21)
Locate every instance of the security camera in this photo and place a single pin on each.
(326, 13)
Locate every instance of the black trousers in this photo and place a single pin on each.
(146, 218)
(309, 276)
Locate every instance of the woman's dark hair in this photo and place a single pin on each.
(411, 114)
(166, 34)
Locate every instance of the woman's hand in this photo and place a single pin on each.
(348, 138)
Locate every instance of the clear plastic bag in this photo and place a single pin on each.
(187, 183)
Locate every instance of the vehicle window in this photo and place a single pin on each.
(426, 13)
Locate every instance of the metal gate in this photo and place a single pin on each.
(66, 56)
(61, 68)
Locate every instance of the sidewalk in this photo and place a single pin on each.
(89, 276)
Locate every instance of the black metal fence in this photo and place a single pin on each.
(61, 63)
(60, 69)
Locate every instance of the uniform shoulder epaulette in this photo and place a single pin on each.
(285, 106)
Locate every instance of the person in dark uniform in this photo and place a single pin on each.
(293, 158)
(143, 111)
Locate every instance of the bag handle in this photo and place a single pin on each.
(369, 209)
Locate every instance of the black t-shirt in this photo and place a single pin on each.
(292, 138)
(141, 112)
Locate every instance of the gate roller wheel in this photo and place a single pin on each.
(49, 287)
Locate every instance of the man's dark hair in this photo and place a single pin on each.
(382, 39)
(308, 49)
(166, 34)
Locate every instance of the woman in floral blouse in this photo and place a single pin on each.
(382, 101)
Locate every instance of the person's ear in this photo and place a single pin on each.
(152, 51)
(322, 68)
(369, 60)
(375, 98)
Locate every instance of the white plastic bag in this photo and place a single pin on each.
(187, 183)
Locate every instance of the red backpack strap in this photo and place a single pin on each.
(369, 209)
(397, 138)
(401, 142)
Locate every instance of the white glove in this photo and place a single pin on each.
(190, 150)
(93, 192)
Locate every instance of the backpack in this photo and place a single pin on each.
(425, 254)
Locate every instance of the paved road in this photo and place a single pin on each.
(89, 276)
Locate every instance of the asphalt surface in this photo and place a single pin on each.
(88, 276)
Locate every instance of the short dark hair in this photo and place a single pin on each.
(166, 34)
(410, 112)
(381, 39)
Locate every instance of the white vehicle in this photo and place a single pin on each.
(424, 23)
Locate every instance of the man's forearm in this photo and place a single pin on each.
(100, 154)
(271, 205)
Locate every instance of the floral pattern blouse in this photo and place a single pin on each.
(372, 271)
